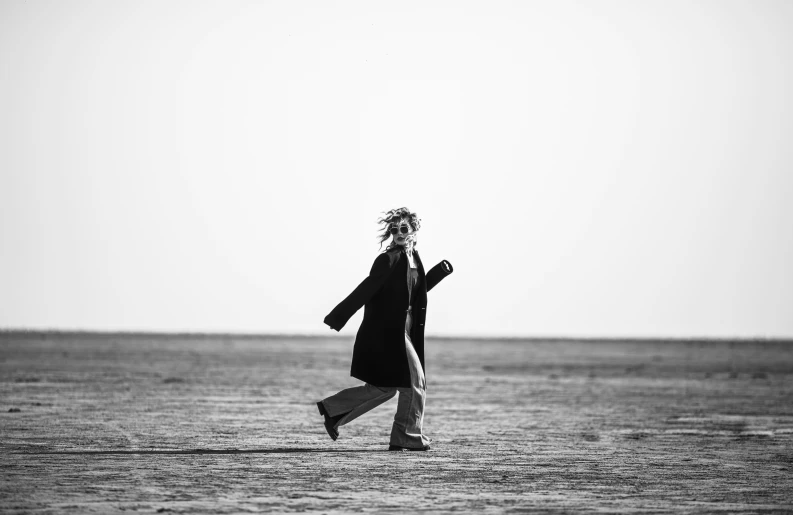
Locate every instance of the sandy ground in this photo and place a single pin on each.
(228, 425)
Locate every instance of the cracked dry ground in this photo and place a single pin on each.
(102, 423)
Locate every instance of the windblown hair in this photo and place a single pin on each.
(393, 217)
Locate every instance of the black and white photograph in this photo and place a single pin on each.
(504, 256)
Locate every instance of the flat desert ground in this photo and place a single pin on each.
(228, 424)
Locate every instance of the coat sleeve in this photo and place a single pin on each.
(438, 273)
(381, 269)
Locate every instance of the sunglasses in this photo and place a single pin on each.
(404, 229)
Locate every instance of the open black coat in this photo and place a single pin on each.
(379, 356)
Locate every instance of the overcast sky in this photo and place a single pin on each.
(590, 168)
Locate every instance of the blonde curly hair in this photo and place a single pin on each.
(393, 217)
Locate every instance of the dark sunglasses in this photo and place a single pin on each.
(404, 229)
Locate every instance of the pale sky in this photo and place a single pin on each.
(589, 168)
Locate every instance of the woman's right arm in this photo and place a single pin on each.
(380, 271)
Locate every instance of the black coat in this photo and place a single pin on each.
(379, 356)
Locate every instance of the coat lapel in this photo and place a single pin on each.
(420, 266)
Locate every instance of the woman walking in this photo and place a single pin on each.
(389, 348)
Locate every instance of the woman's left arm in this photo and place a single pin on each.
(438, 273)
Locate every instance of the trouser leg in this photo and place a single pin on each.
(356, 401)
(409, 419)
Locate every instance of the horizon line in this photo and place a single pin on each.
(255, 335)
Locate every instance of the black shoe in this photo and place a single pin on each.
(329, 421)
(400, 448)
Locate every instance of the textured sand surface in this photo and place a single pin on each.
(228, 425)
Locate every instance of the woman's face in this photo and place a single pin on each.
(402, 237)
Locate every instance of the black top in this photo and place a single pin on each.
(413, 278)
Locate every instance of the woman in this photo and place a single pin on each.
(389, 349)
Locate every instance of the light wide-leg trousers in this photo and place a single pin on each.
(409, 418)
